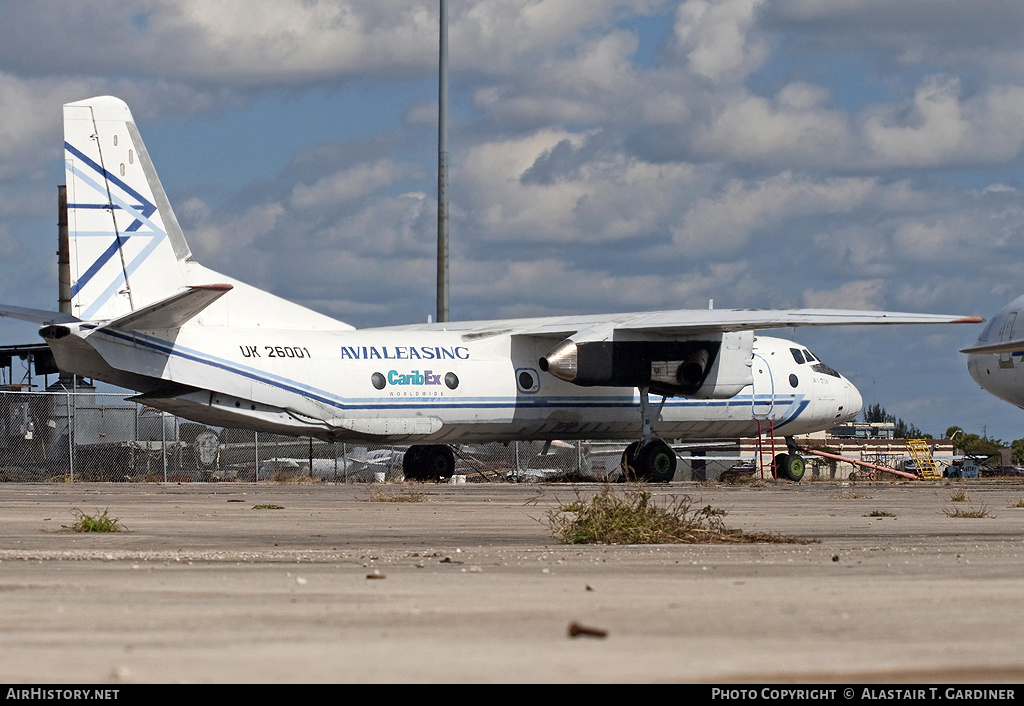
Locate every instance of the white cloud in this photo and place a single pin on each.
(349, 184)
(793, 128)
(855, 294)
(30, 112)
(715, 38)
(726, 221)
(941, 130)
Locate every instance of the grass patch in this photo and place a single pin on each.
(853, 495)
(386, 495)
(879, 513)
(959, 496)
(634, 517)
(1019, 503)
(94, 523)
(268, 507)
(969, 512)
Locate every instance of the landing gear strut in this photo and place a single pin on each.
(434, 462)
(649, 459)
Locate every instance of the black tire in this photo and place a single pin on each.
(437, 462)
(656, 462)
(411, 463)
(428, 462)
(628, 463)
(790, 467)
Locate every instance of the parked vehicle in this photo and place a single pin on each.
(964, 468)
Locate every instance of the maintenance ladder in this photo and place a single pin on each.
(766, 446)
(922, 455)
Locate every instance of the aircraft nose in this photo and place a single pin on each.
(854, 402)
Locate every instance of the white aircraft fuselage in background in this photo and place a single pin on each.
(146, 316)
(996, 360)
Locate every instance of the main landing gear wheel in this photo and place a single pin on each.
(790, 466)
(428, 462)
(652, 461)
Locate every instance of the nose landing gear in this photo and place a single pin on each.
(790, 465)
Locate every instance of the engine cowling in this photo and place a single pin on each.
(717, 366)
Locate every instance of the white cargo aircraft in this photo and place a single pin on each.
(996, 360)
(146, 316)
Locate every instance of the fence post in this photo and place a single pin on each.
(71, 439)
(256, 449)
(163, 442)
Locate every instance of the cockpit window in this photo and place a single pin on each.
(822, 368)
(988, 329)
(797, 355)
(810, 358)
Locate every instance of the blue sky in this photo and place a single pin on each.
(606, 156)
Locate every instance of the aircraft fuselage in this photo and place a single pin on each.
(412, 386)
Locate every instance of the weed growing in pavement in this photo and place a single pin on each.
(959, 495)
(970, 512)
(879, 513)
(635, 517)
(94, 523)
(268, 507)
(386, 495)
(853, 495)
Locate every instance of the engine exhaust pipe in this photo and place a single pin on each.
(691, 372)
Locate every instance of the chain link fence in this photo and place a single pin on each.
(88, 436)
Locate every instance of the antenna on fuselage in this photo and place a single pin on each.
(442, 169)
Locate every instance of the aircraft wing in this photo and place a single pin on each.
(688, 322)
(1014, 346)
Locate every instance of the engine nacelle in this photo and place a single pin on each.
(716, 366)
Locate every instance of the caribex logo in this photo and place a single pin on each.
(414, 378)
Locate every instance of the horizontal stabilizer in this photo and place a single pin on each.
(1014, 346)
(39, 316)
(174, 311)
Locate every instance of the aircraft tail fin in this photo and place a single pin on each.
(126, 246)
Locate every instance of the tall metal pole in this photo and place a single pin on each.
(442, 170)
(63, 253)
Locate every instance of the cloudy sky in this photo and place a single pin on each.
(605, 156)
